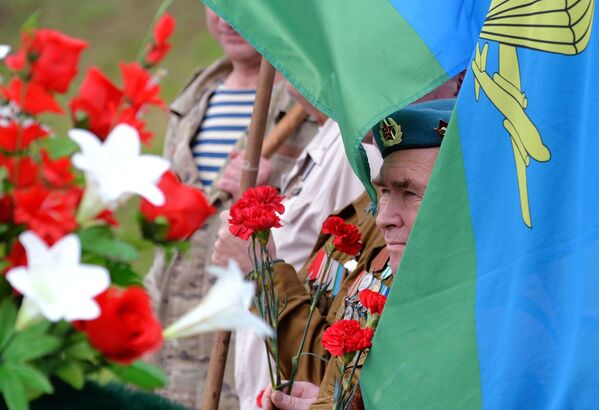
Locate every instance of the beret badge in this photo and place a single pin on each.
(390, 132)
(441, 128)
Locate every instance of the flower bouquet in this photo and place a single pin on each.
(72, 306)
(251, 218)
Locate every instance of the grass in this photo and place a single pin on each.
(115, 30)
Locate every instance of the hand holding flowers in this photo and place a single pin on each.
(348, 341)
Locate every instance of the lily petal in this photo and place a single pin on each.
(225, 307)
(4, 50)
(54, 283)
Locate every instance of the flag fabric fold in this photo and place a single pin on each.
(356, 61)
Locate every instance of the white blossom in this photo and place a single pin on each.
(4, 50)
(115, 169)
(54, 283)
(225, 307)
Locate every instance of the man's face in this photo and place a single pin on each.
(400, 187)
(235, 47)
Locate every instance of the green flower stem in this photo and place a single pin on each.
(347, 385)
(317, 296)
(266, 301)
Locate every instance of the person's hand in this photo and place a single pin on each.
(302, 396)
(231, 177)
(229, 247)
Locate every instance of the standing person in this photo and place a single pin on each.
(207, 125)
(320, 182)
(409, 157)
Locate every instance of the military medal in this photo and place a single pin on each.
(366, 282)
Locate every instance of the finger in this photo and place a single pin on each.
(267, 399)
(305, 390)
(224, 217)
(218, 259)
(286, 402)
(234, 153)
(227, 186)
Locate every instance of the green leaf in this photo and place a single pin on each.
(30, 345)
(72, 373)
(81, 349)
(39, 328)
(13, 390)
(59, 147)
(8, 315)
(122, 274)
(155, 230)
(32, 21)
(30, 376)
(100, 240)
(141, 374)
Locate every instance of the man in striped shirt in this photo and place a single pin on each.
(207, 123)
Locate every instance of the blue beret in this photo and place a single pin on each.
(420, 125)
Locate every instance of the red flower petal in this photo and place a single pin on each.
(186, 208)
(126, 328)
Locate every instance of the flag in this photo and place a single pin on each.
(354, 60)
(495, 304)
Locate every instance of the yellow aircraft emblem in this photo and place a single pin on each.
(553, 26)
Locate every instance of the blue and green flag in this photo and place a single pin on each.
(496, 302)
(355, 60)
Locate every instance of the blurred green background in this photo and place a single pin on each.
(115, 30)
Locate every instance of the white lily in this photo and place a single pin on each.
(4, 50)
(54, 283)
(115, 169)
(225, 307)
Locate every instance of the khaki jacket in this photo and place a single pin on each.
(179, 285)
(290, 286)
(327, 385)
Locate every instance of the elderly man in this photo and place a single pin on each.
(409, 141)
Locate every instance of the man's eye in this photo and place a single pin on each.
(384, 191)
(410, 194)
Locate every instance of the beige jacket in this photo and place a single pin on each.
(178, 286)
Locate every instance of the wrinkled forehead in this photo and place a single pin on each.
(411, 164)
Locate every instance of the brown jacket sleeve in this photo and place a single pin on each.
(295, 305)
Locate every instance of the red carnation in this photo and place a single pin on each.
(257, 210)
(346, 337)
(14, 137)
(126, 328)
(259, 399)
(34, 100)
(185, 208)
(56, 172)
(140, 89)
(159, 46)
(98, 100)
(373, 301)
(49, 213)
(347, 238)
(55, 58)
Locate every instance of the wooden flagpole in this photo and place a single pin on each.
(220, 346)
